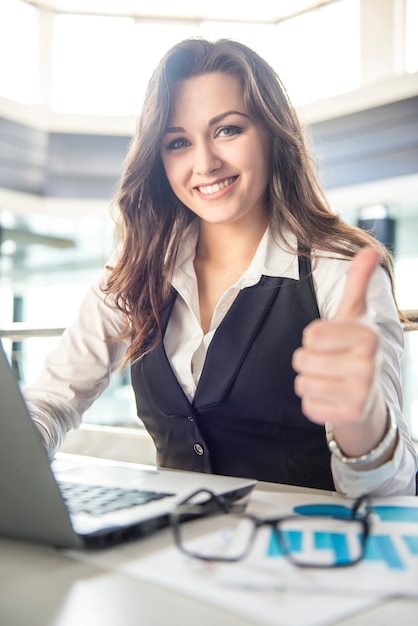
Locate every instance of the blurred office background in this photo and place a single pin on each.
(72, 78)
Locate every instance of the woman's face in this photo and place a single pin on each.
(216, 158)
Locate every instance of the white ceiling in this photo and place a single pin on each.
(266, 11)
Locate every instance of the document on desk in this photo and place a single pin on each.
(272, 591)
(389, 566)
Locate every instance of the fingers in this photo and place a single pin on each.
(338, 335)
(336, 372)
(336, 390)
(336, 351)
(341, 410)
(353, 303)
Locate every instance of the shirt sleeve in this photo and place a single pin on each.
(79, 369)
(397, 476)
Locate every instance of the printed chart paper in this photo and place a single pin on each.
(390, 564)
(265, 587)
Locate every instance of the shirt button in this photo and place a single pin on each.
(188, 391)
(198, 449)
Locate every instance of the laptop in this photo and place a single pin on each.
(116, 501)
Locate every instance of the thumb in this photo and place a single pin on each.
(353, 303)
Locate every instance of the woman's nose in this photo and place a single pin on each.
(206, 159)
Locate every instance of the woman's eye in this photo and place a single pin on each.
(229, 131)
(177, 144)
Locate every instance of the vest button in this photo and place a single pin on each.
(198, 449)
(190, 418)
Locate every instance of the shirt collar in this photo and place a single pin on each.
(273, 257)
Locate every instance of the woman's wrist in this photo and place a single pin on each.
(381, 452)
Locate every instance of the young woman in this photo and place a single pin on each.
(263, 337)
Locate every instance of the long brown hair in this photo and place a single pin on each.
(152, 219)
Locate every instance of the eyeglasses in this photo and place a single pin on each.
(333, 538)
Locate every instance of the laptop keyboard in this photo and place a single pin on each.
(98, 500)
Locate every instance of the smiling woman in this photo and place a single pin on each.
(238, 297)
(215, 156)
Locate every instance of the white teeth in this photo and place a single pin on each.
(216, 187)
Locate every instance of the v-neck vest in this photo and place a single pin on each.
(245, 418)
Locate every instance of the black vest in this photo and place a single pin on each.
(245, 419)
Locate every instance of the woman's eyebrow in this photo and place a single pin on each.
(212, 121)
(175, 129)
(219, 118)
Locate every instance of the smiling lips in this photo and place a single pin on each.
(210, 189)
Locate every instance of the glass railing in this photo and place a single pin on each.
(27, 346)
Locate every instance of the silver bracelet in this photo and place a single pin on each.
(368, 457)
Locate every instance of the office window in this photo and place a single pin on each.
(102, 64)
(318, 52)
(19, 51)
(411, 36)
(92, 65)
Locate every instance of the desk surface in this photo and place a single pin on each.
(40, 586)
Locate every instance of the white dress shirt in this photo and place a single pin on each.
(79, 370)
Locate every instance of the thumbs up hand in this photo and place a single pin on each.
(337, 366)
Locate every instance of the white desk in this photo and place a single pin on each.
(40, 586)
